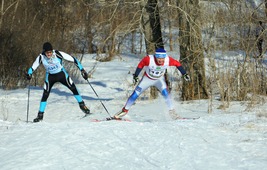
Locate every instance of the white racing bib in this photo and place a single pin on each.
(154, 71)
(52, 65)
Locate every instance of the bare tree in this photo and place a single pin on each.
(192, 55)
(205, 27)
(152, 31)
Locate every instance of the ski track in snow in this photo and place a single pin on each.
(197, 144)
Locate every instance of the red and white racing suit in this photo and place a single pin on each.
(153, 76)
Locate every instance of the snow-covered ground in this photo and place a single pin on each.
(231, 139)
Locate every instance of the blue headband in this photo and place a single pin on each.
(160, 53)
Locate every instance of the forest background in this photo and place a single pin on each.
(198, 30)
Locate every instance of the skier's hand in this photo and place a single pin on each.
(84, 74)
(135, 79)
(186, 77)
(28, 76)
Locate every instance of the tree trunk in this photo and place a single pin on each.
(152, 31)
(192, 56)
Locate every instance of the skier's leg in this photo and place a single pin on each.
(48, 84)
(67, 81)
(167, 98)
(140, 88)
(162, 86)
(144, 84)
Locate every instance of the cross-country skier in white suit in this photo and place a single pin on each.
(55, 72)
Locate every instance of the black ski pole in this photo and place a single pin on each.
(98, 98)
(28, 103)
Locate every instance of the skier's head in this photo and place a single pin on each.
(160, 53)
(47, 47)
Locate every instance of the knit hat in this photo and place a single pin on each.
(160, 53)
(47, 47)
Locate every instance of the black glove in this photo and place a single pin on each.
(186, 77)
(28, 76)
(135, 79)
(84, 74)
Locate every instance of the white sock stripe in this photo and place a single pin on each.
(160, 53)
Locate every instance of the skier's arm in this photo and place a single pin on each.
(137, 72)
(178, 65)
(71, 59)
(35, 65)
(144, 62)
(182, 70)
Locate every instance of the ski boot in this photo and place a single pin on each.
(174, 115)
(84, 108)
(39, 117)
(120, 114)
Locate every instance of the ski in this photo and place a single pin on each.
(187, 118)
(110, 119)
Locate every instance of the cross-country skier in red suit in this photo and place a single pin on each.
(156, 66)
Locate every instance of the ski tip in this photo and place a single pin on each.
(187, 118)
(95, 120)
(110, 119)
